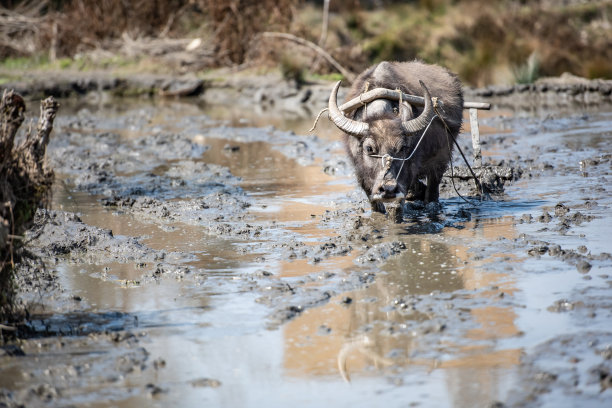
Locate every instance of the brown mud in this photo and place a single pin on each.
(217, 254)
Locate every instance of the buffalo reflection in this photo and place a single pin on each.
(371, 330)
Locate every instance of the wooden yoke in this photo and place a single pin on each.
(396, 95)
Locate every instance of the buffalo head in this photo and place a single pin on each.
(383, 145)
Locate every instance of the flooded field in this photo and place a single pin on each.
(203, 255)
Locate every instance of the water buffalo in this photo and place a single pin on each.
(383, 137)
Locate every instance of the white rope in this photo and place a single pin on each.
(387, 158)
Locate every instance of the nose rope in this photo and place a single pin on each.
(387, 159)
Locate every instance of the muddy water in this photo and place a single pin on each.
(245, 268)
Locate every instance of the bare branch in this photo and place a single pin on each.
(323, 37)
(324, 27)
(347, 74)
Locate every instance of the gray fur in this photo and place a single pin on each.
(386, 135)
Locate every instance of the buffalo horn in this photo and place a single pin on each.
(420, 122)
(352, 127)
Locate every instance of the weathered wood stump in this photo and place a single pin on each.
(25, 183)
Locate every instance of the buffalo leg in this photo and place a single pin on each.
(432, 193)
(416, 191)
(377, 206)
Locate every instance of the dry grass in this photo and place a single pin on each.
(484, 42)
(235, 23)
(84, 24)
(496, 38)
(70, 27)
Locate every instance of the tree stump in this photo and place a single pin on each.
(25, 184)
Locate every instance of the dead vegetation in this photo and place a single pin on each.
(492, 42)
(484, 42)
(196, 33)
(235, 23)
(25, 183)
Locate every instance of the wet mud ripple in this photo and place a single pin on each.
(427, 292)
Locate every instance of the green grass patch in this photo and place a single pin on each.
(42, 62)
(21, 63)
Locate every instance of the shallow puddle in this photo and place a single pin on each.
(443, 321)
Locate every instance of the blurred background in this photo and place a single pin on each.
(493, 42)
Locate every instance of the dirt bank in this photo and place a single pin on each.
(273, 93)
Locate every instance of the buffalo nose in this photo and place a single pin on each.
(388, 188)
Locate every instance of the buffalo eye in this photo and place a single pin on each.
(368, 147)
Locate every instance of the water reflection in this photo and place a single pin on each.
(212, 253)
(374, 332)
(385, 328)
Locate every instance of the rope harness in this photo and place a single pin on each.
(387, 159)
(478, 184)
